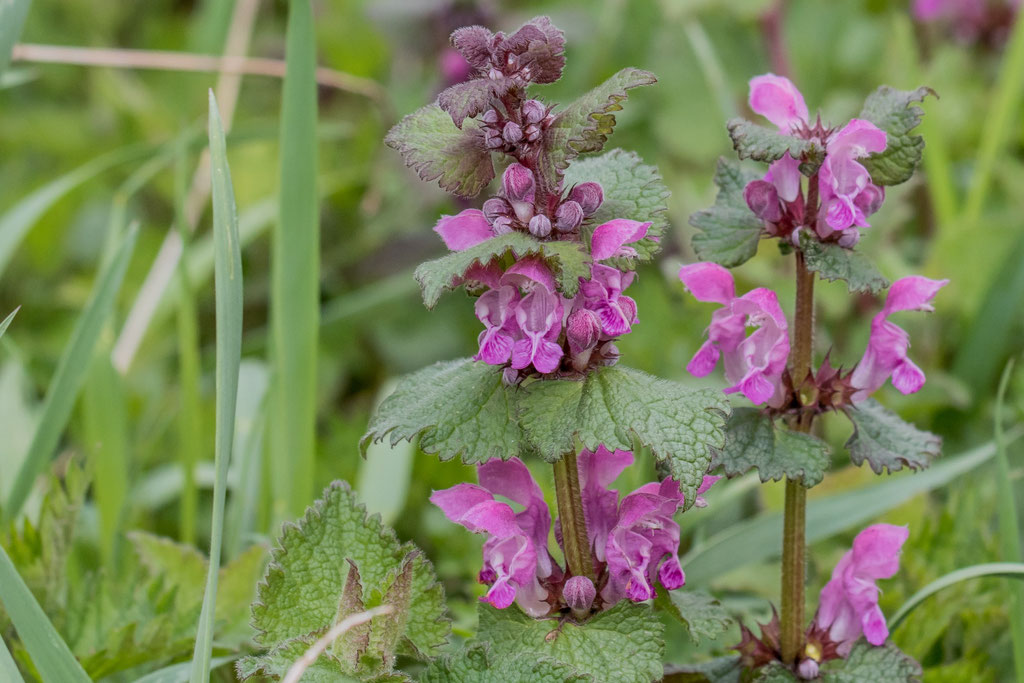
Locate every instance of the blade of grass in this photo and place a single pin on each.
(8, 669)
(295, 278)
(7, 321)
(757, 540)
(50, 654)
(1009, 526)
(12, 21)
(71, 374)
(228, 291)
(1013, 570)
(177, 673)
(250, 421)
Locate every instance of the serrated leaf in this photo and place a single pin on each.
(275, 664)
(632, 190)
(432, 145)
(614, 404)
(568, 261)
(620, 645)
(869, 664)
(752, 440)
(351, 645)
(729, 230)
(584, 126)
(703, 615)
(753, 141)
(466, 99)
(833, 262)
(719, 670)
(886, 441)
(775, 672)
(477, 664)
(894, 112)
(304, 582)
(458, 407)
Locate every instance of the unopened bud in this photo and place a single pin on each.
(491, 117)
(533, 111)
(494, 207)
(869, 200)
(808, 669)
(588, 195)
(582, 330)
(502, 226)
(518, 183)
(849, 237)
(763, 200)
(532, 132)
(579, 594)
(512, 132)
(494, 74)
(540, 225)
(609, 353)
(568, 216)
(492, 140)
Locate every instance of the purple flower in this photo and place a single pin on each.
(602, 293)
(886, 353)
(464, 230)
(597, 470)
(515, 553)
(496, 310)
(848, 606)
(610, 239)
(753, 364)
(539, 316)
(844, 186)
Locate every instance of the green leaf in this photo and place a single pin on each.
(729, 230)
(752, 141)
(680, 425)
(275, 664)
(702, 614)
(894, 112)
(459, 407)
(71, 373)
(775, 672)
(632, 190)
(753, 440)
(477, 664)
(437, 150)
(620, 645)
(305, 581)
(584, 125)
(568, 261)
(886, 441)
(466, 99)
(869, 664)
(175, 673)
(12, 20)
(833, 262)
(719, 670)
(50, 654)
(6, 322)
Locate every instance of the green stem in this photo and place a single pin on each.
(570, 513)
(795, 513)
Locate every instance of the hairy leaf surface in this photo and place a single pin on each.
(752, 440)
(894, 112)
(729, 230)
(833, 262)
(886, 441)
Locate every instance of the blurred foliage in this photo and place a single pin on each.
(375, 227)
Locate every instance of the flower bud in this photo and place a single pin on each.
(492, 140)
(579, 594)
(849, 237)
(512, 132)
(540, 225)
(568, 216)
(502, 226)
(494, 74)
(533, 111)
(494, 207)
(582, 330)
(491, 117)
(763, 200)
(532, 132)
(807, 669)
(609, 352)
(588, 195)
(518, 183)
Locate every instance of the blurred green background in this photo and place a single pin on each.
(137, 136)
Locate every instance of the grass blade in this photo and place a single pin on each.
(228, 289)
(12, 21)
(1009, 526)
(757, 540)
(7, 321)
(49, 653)
(8, 669)
(1008, 569)
(71, 373)
(250, 424)
(295, 278)
(178, 673)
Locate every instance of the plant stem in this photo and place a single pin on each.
(570, 512)
(795, 519)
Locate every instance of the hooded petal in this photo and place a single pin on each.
(609, 238)
(778, 100)
(857, 139)
(785, 175)
(527, 272)
(464, 230)
(597, 470)
(708, 282)
(512, 479)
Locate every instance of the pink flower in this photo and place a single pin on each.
(464, 230)
(597, 470)
(602, 293)
(779, 101)
(848, 607)
(539, 316)
(496, 310)
(886, 353)
(515, 553)
(610, 239)
(753, 364)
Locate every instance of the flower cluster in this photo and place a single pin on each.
(847, 606)
(634, 541)
(845, 194)
(755, 365)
